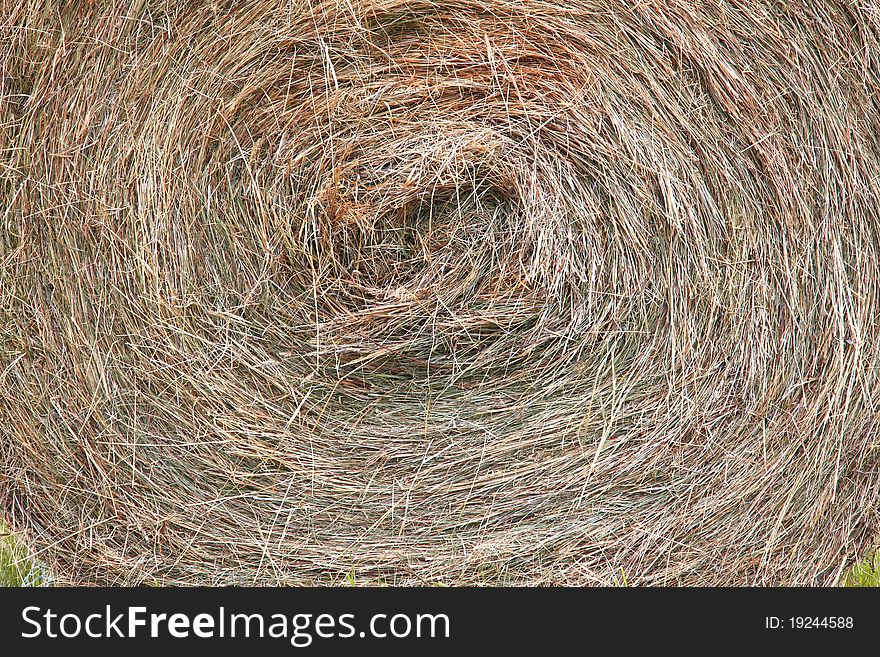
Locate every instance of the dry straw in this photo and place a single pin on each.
(461, 292)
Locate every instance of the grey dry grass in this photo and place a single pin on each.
(461, 292)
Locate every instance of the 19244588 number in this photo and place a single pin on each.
(809, 622)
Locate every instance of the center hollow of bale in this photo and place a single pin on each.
(435, 220)
(427, 236)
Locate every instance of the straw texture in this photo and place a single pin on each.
(504, 292)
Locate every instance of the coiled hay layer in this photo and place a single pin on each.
(465, 292)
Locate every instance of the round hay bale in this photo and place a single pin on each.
(462, 292)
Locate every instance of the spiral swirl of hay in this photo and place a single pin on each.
(505, 292)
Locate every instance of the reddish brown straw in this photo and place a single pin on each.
(463, 292)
